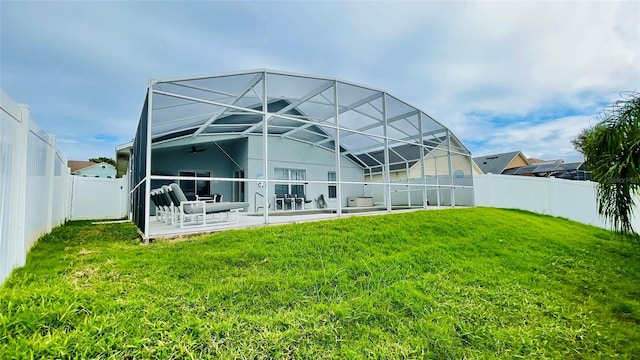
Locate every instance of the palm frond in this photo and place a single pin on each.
(612, 151)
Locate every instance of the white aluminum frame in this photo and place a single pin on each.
(256, 91)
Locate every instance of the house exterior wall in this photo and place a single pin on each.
(476, 168)
(171, 161)
(102, 170)
(436, 163)
(441, 163)
(437, 173)
(291, 154)
(248, 153)
(438, 191)
(239, 151)
(518, 161)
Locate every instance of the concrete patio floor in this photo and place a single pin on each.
(249, 220)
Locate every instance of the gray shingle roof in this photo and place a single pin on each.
(495, 163)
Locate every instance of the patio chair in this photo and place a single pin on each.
(193, 211)
(169, 203)
(303, 201)
(290, 200)
(280, 200)
(160, 208)
(307, 201)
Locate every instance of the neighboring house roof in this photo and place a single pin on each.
(497, 163)
(90, 164)
(572, 171)
(76, 165)
(539, 161)
(535, 161)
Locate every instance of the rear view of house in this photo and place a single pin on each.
(285, 142)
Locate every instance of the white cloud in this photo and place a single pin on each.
(83, 67)
(549, 140)
(514, 59)
(534, 52)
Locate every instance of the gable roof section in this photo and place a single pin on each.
(76, 165)
(535, 161)
(496, 163)
(475, 168)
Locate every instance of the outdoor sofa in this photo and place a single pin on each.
(173, 207)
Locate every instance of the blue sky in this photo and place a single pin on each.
(502, 75)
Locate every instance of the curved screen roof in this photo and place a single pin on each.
(299, 107)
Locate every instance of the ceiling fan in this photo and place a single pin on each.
(195, 150)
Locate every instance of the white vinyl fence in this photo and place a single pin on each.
(574, 200)
(34, 184)
(98, 198)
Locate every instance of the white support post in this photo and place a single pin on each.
(387, 169)
(473, 198)
(20, 168)
(408, 184)
(451, 193)
(425, 198)
(147, 187)
(130, 177)
(265, 149)
(337, 150)
(435, 168)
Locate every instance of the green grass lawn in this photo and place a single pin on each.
(474, 283)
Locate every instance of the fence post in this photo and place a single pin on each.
(552, 199)
(21, 169)
(69, 193)
(63, 190)
(123, 193)
(492, 184)
(72, 199)
(50, 176)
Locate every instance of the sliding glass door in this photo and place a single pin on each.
(191, 188)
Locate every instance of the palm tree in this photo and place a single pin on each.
(612, 151)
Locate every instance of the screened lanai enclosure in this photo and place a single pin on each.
(264, 145)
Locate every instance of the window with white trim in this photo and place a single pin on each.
(332, 188)
(289, 175)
